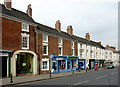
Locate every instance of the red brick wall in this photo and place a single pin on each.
(66, 47)
(53, 45)
(75, 49)
(11, 35)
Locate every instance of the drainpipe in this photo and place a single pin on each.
(36, 52)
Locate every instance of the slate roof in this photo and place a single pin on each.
(23, 16)
(15, 13)
(53, 31)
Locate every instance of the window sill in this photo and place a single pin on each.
(25, 48)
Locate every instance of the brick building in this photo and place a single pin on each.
(29, 47)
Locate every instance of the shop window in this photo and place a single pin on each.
(54, 65)
(73, 64)
(45, 50)
(45, 64)
(68, 64)
(25, 27)
(24, 63)
(63, 64)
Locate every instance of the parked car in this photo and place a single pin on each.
(110, 66)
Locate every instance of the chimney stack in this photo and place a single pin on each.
(8, 4)
(99, 42)
(87, 36)
(107, 46)
(29, 10)
(58, 25)
(70, 30)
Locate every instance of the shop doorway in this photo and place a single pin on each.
(24, 63)
(4, 66)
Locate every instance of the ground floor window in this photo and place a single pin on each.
(54, 65)
(24, 63)
(63, 64)
(81, 64)
(45, 64)
(68, 64)
(73, 64)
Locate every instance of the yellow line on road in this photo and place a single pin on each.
(81, 82)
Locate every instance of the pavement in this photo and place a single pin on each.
(42, 77)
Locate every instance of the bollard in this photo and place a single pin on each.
(11, 81)
(50, 73)
(73, 72)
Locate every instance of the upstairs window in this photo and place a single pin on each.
(45, 50)
(60, 50)
(60, 41)
(25, 41)
(72, 44)
(72, 52)
(25, 27)
(45, 38)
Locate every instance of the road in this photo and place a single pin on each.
(106, 77)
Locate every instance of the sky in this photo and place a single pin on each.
(99, 18)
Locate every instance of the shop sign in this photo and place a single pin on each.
(3, 54)
(59, 58)
(72, 58)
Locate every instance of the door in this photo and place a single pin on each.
(4, 66)
(59, 65)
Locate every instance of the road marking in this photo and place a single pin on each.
(101, 77)
(81, 82)
(114, 73)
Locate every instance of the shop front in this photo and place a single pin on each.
(81, 64)
(63, 63)
(97, 63)
(91, 64)
(24, 62)
(5, 58)
(101, 63)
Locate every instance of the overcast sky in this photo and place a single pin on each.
(98, 17)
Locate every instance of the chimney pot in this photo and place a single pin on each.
(8, 4)
(107, 46)
(87, 36)
(58, 25)
(29, 10)
(99, 42)
(70, 30)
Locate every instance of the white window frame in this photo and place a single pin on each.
(25, 35)
(46, 38)
(27, 27)
(47, 50)
(45, 60)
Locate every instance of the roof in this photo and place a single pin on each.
(114, 50)
(24, 16)
(16, 13)
(54, 31)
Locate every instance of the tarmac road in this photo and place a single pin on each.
(106, 77)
